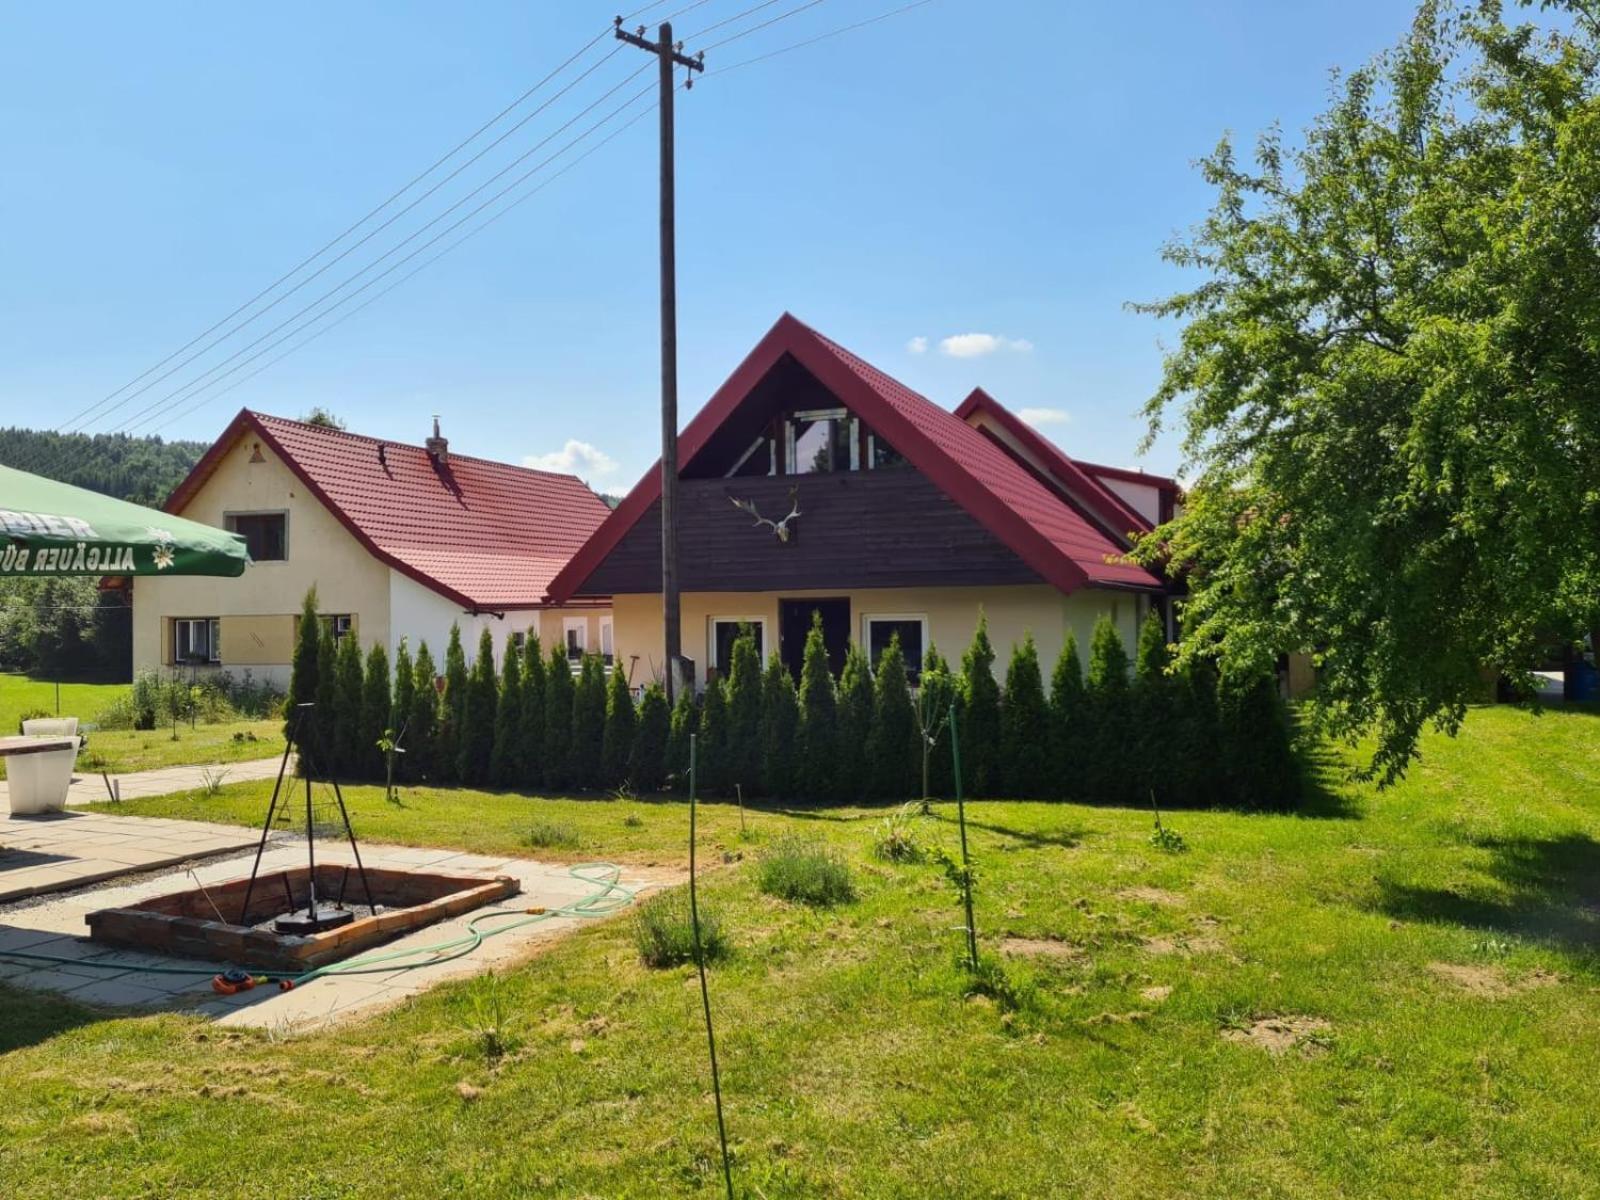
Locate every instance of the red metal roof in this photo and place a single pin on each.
(488, 535)
(1079, 479)
(1045, 532)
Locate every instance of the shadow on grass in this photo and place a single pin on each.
(1550, 892)
(1064, 839)
(28, 1017)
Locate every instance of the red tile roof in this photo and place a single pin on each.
(488, 535)
(1050, 536)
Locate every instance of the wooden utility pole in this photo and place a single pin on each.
(670, 55)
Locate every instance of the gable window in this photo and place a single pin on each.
(724, 632)
(266, 535)
(196, 640)
(575, 633)
(821, 440)
(879, 629)
(881, 455)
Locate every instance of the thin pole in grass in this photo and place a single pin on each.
(966, 863)
(700, 963)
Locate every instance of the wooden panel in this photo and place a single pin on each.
(856, 530)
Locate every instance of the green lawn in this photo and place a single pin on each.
(21, 693)
(1434, 947)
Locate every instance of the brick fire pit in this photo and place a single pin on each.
(185, 923)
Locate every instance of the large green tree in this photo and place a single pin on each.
(1386, 380)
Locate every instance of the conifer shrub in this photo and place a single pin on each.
(893, 755)
(647, 759)
(377, 705)
(979, 715)
(558, 696)
(616, 747)
(936, 694)
(476, 736)
(852, 778)
(422, 726)
(780, 725)
(742, 756)
(1110, 748)
(304, 675)
(405, 702)
(711, 743)
(447, 746)
(1154, 711)
(533, 693)
(506, 758)
(807, 872)
(685, 722)
(1258, 758)
(816, 737)
(349, 755)
(1069, 718)
(588, 723)
(1025, 766)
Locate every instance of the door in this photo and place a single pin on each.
(794, 624)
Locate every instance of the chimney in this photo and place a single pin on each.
(438, 447)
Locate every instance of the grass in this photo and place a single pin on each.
(663, 929)
(807, 871)
(1391, 994)
(119, 751)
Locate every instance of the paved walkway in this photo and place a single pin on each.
(57, 928)
(56, 852)
(89, 788)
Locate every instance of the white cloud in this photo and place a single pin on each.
(575, 458)
(918, 345)
(975, 345)
(1045, 416)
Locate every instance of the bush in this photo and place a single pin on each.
(422, 723)
(447, 742)
(557, 718)
(588, 723)
(852, 727)
(893, 754)
(685, 722)
(1108, 774)
(505, 759)
(897, 836)
(647, 760)
(533, 695)
(478, 715)
(154, 700)
(622, 722)
(1068, 719)
(780, 721)
(806, 871)
(979, 715)
(553, 835)
(377, 711)
(664, 931)
(1025, 727)
(711, 743)
(32, 714)
(816, 738)
(934, 698)
(742, 754)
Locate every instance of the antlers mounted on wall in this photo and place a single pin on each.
(780, 528)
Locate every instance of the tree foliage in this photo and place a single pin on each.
(558, 691)
(647, 759)
(1026, 767)
(1386, 380)
(816, 771)
(506, 767)
(852, 777)
(616, 748)
(452, 706)
(894, 759)
(744, 713)
(979, 715)
(477, 728)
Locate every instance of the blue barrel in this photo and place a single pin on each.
(1583, 681)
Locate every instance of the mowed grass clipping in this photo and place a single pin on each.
(1388, 995)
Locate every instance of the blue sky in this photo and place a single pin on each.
(1007, 168)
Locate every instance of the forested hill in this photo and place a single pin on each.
(141, 469)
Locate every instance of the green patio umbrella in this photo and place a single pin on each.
(51, 528)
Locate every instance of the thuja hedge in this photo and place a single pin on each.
(1110, 731)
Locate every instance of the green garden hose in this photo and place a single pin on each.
(610, 896)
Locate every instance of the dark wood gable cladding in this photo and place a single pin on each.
(857, 529)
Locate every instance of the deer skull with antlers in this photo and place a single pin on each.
(781, 528)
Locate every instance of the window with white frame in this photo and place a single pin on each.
(879, 629)
(821, 439)
(196, 640)
(575, 634)
(608, 649)
(724, 631)
(339, 624)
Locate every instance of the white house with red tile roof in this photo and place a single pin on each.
(399, 541)
(812, 482)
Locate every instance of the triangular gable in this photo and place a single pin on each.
(1055, 541)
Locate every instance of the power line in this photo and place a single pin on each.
(323, 249)
(141, 416)
(783, 16)
(821, 37)
(351, 249)
(418, 269)
(529, 194)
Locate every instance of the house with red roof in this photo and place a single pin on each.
(399, 541)
(813, 483)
